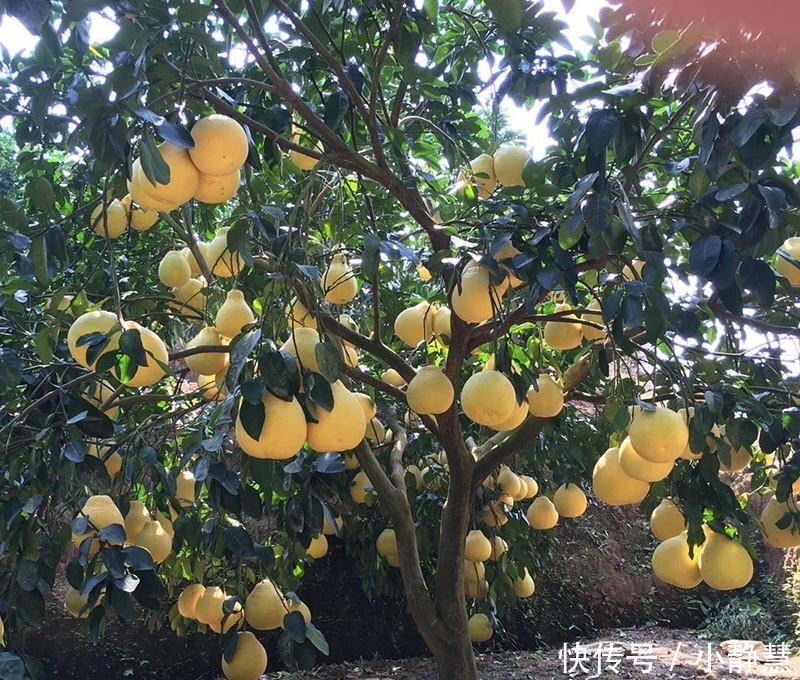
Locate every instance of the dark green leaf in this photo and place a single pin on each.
(11, 667)
(597, 211)
(11, 367)
(240, 351)
(370, 258)
(28, 574)
(329, 361)
(759, 278)
(295, 626)
(328, 463)
(121, 598)
(280, 371)
(704, 254)
(239, 542)
(318, 391)
(176, 134)
(154, 166)
(600, 129)
(252, 417)
(114, 533)
(137, 558)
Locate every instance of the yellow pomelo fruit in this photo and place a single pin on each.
(563, 333)
(154, 538)
(282, 434)
(297, 606)
(142, 191)
(91, 322)
(477, 299)
(542, 514)
(215, 189)
(480, 629)
(112, 217)
(509, 161)
(507, 252)
(612, 485)
(233, 315)
(303, 160)
(328, 530)
(740, 459)
(233, 619)
(187, 253)
(359, 486)
(785, 267)
(477, 548)
(416, 324)
(249, 661)
(113, 461)
(637, 467)
(302, 344)
(212, 387)
(508, 481)
(772, 513)
(206, 363)
(74, 603)
(184, 492)
(184, 178)
(517, 417)
(187, 601)
(633, 271)
(341, 428)
(174, 270)
(98, 393)
(297, 315)
(531, 486)
(659, 436)
(494, 515)
(430, 391)
(367, 405)
(724, 563)
(488, 398)
(318, 547)
(416, 473)
(476, 589)
(524, 587)
(166, 523)
(351, 462)
(482, 175)
(546, 399)
(593, 314)
(339, 283)
(156, 356)
(376, 432)
(220, 145)
(423, 273)
(442, 326)
(140, 219)
(666, 520)
(569, 500)
(499, 546)
(474, 571)
(522, 493)
(672, 564)
(350, 356)
(222, 261)
(208, 607)
(264, 607)
(386, 543)
(138, 515)
(392, 377)
(101, 512)
(191, 300)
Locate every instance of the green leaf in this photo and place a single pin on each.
(317, 639)
(329, 361)
(370, 258)
(759, 278)
(154, 166)
(318, 391)
(295, 626)
(240, 351)
(38, 253)
(252, 417)
(600, 129)
(279, 369)
(41, 194)
(11, 368)
(11, 667)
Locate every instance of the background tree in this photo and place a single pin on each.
(373, 148)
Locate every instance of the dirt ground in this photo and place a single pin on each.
(623, 654)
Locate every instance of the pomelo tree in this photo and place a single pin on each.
(277, 272)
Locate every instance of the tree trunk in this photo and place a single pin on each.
(457, 662)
